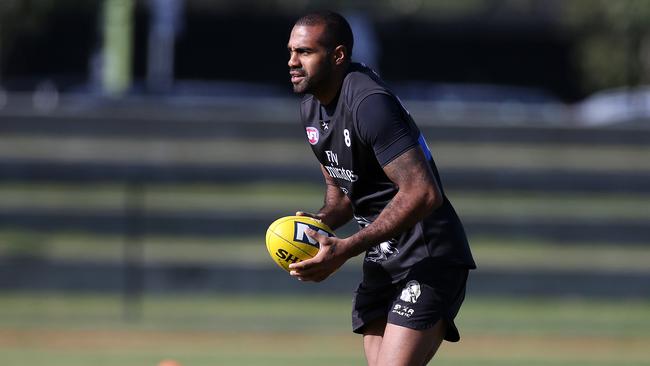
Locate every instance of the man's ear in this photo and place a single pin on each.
(340, 55)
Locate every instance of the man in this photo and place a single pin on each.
(377, 169)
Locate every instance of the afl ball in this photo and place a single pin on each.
(287, 241)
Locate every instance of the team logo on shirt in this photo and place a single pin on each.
(312, 135)
(382, 251)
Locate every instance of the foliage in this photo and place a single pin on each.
(28, 16)
(615, 45)
(611, 38)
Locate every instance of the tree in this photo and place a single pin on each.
(615, 46)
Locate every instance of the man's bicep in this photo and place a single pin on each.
(383, 124)
(410, 169)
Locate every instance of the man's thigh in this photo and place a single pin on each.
(401, 346)
(372, 336)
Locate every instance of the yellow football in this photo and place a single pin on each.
(288, 243)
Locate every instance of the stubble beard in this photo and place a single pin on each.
(302, 87)
(310, 84)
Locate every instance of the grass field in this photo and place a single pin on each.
(75, 330)
(55, 329)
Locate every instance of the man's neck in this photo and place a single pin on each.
(329, 95)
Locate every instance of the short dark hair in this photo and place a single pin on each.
(337, 29)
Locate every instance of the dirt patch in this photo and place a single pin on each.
(144, 339)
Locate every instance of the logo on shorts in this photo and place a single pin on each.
(312, 135)
(411, 292)
(403, 310)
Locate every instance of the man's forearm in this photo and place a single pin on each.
(337, 210)
(417, 197)
(399, 215)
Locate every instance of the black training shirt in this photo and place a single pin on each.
(362, 130)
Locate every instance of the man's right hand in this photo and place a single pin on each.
(307, 214)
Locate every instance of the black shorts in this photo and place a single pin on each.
(429, 292)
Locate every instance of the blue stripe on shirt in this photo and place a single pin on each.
(425, 148)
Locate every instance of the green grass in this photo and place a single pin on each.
(321, 313)
(219, 329)
(75, 330)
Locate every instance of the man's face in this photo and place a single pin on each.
(310, 63)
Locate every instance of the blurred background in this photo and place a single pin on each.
(146, 145)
